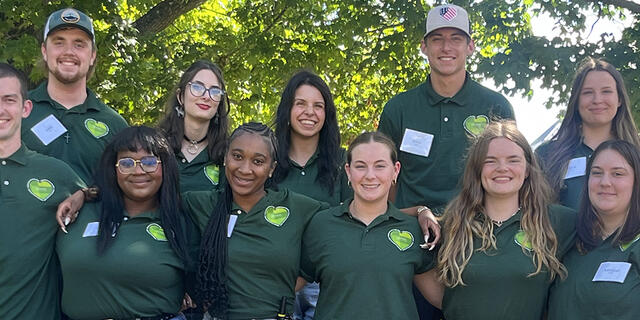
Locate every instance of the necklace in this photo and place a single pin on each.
(499, 223)
(193, 147)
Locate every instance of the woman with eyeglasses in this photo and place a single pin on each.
(128, 254)
(603, 279)
(196, 125)
(599, 110)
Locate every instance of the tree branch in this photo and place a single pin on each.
(163, 15)
(627, 4)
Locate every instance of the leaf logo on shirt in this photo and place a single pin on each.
(402, 239)
(276, 215)
(476, 124)
(156, 232)
(96, 128)
(626, 246)
(42, 189)
(521, 239)
(212, 172)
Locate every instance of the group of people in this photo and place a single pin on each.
(187, 221)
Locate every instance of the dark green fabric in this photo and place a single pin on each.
(433, 180)
(302, 179)
(264, 258)
(571, 193)
(139, 275)
(82, 150)
(199, 174)
(497, 282)
(358, 265)
(578, 297)
(28, 268)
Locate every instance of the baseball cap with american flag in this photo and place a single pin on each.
(448, 16)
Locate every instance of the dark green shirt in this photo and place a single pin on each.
(433, 180)
(571, 193)
(302, 179)
(365, 272)
(90, 126)
(199, 174)
(139, 275)
(264, 249)
(579, 297)
(497, 282)
(31, 186)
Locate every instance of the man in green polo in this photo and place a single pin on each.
(432, 123)
(31, 186)
(68, 121)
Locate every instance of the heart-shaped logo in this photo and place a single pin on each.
(96, 128)
(626, 246)
(212, 172)
(276, 215)
(521, 239)
(156, 232)
(402, 239)
(476, 124)
(42, 189)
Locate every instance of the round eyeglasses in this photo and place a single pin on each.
(148, 164)
(198, 89)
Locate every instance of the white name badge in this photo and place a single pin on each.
(48, 129)
(577, 167)
(232, 223)
(416, 142)
(612, 272)
(91, 230)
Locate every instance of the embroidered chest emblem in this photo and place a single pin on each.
(625, 246)
(41, 189)
(475, 124)
(212, 172)
(97, 129)
(156, 232)
(277, 216)
(403, 240)
(521, 239)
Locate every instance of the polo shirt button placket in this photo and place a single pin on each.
(239, 211)
(4, 163)
(446, 119)
(6, 182)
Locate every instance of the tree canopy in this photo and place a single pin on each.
(367, 51)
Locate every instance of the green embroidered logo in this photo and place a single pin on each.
(626, 246)
(402, 239)
(212, 172)
(276, 215)
(521, 239)
(96, 128)
(42, 189)
(476, 124)
(156, 232)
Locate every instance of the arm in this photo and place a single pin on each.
(427, 222)
(430, 287)
(300, 282)
(68, 209)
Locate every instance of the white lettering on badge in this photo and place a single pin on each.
(612, 272)
(576, 168)
(416, 142)
(48, 129)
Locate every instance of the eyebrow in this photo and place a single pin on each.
(255, 154)
(12, 95)
(202, 83)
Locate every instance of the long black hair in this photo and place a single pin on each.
(173, 124)
(112, 208)
(329, 156)
(211, 285)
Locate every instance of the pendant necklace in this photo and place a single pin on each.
(499, 223)
(193, 147)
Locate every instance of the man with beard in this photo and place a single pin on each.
(68, 121)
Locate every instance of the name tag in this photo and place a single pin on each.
(232, 223)
(91, 230)
(577, 167)
(48, 129)
(416, 142)
(612, 272)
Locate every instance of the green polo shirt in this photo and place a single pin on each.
(199, 174)
(432, 180)
(264, 249)
(571, 193)
(497, 285)
(31, 187)
(302, 179)
(357, 265)
(579, 297)
(138, 276)
(90, 126)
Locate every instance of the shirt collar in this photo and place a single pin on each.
(391, 212)
(460, 98)
(313, 158)
(40, 94)
(272, 196)
(21, 155)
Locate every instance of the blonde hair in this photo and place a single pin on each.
(465, 220)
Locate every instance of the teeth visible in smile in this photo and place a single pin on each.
(446, 58)
(307, 122)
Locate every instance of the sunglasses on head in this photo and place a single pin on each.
(148, 164)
